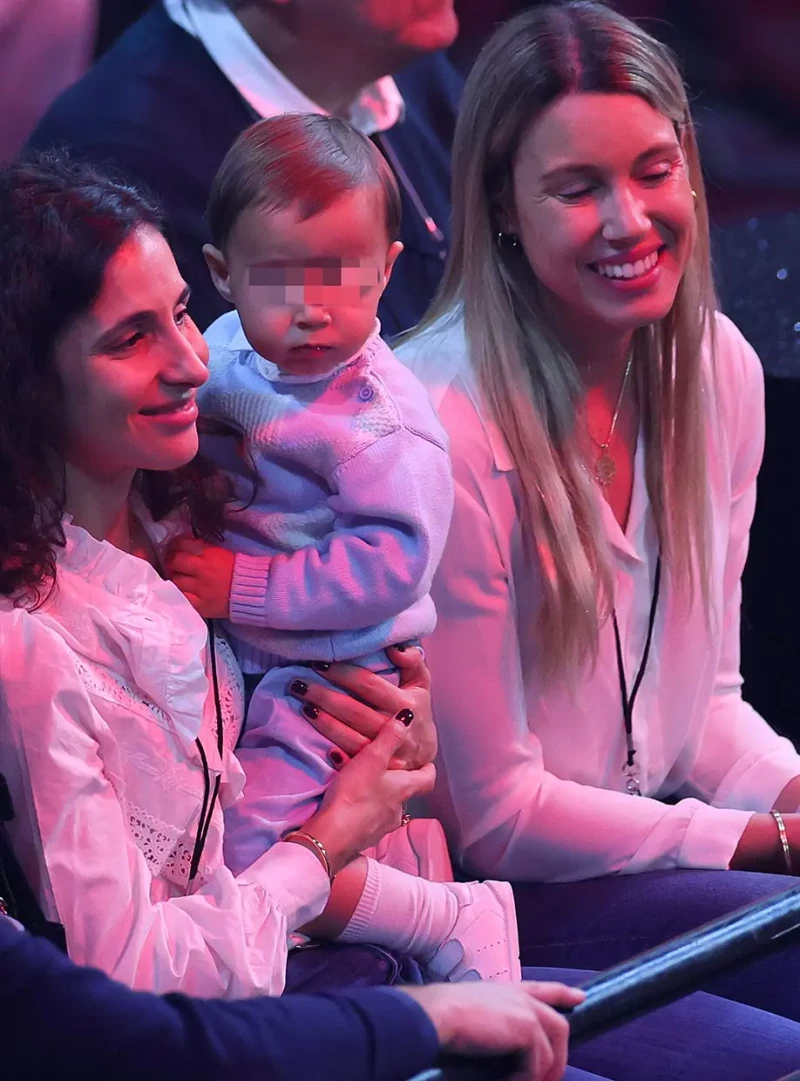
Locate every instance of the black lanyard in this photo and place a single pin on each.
(209, 797)
(629, 700)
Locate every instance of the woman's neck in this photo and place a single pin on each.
(101, 506)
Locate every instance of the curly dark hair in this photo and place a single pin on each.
(61, 221)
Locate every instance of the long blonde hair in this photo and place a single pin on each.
(531, 386)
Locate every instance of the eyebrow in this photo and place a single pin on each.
(135, 320)
(584, 167)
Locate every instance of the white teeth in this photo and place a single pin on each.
(627, 270)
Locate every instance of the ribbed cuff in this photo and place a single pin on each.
(248, 603)
(357, 930)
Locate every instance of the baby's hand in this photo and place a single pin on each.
(203, 573)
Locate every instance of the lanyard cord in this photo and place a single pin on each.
(628, 701)
(209, 798)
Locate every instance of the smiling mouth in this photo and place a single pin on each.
(170, 409)
(628, 271)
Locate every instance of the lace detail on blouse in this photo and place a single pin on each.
(106, 684)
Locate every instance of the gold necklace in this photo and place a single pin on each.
(605, 468)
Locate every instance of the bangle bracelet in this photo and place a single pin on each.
(787, 851)
(318, 848)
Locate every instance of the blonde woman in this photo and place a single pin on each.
(607, 428)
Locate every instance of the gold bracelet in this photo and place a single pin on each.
(319, 848)
(787, 851)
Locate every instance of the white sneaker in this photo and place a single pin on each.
(484, 943)
(418, 849)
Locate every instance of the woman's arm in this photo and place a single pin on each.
(63, 1021)
(228, 938)
(741, 762)
(60, 1020)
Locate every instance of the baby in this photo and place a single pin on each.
(330, 556)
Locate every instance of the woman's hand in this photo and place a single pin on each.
(502, 1018)
(352, 720)
(365, 800)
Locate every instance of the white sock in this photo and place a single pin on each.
(402, 912)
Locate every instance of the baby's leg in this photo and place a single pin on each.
(286, 764)
(458, 931)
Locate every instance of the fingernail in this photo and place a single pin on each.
(335, 757)
(299, 687)
(402, 647)
(406, 716)
(310, 711)
(320, 666)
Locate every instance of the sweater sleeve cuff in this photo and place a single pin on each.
(295, 879)
(248, 600)
(712, 837)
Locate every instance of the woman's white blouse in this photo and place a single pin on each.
(530, 782)
(103, 691)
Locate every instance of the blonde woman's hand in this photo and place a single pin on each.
(365, 799)
(503, 1018)
(352, 716)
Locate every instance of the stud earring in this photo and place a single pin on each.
(694, 195)
(507, 239)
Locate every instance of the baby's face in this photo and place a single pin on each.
(307, 291)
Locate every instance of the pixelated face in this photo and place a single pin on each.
(131, 366)
(307, 289)
(604, 210)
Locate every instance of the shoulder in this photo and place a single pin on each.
(145, 92)
(226, 335)
(437, 355)
(30, 641)
(404, 392)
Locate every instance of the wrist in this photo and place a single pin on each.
(329, 834)
(761, 848)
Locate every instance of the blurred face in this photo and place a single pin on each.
(409, 25)
(307, 291)
(131, 367)
(604, 210)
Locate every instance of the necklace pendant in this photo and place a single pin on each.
(631, 780)
(605, 469)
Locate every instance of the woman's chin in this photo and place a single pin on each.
(173, 454)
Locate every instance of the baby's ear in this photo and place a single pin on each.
(391, 259)
(218, 268)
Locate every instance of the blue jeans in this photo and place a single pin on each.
(699, 1038)
(598, 923)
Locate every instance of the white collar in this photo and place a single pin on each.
(271, 371)
(378, 107)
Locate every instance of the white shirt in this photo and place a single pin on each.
(530, 782)
(378, 107)
(103, 691)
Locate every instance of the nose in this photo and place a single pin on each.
(625, 218)
(185, 361)
(312, 317)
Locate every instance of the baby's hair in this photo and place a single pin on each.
(298, 158)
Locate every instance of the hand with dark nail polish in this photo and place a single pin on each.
(310, 711)
(299, 687)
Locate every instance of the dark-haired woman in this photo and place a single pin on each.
(116, 719)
